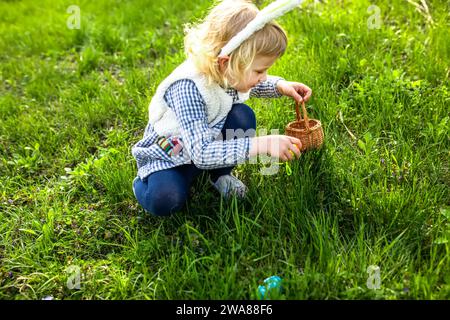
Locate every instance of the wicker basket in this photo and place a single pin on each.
(309, 131)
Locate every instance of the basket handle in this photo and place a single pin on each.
(305, 114)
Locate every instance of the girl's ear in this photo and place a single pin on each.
(223, 62)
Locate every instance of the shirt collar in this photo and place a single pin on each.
(233, 93)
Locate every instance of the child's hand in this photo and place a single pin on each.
(278, 146)
(296, 90)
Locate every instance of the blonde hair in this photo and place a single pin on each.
(204, 41)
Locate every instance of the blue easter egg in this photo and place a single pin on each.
(271, 284)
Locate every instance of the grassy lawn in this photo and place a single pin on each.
(74, 101)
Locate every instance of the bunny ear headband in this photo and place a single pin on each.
(272, 11)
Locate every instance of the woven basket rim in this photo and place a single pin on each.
(316, 126)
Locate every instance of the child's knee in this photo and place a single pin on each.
(164, 201)
(242, 117)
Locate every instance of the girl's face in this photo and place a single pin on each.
(257, 73)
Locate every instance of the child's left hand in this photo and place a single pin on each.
(296, 90)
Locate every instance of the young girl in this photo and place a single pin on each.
(202, 100)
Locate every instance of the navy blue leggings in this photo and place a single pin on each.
(165, 192)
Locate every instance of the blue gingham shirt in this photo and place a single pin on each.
(198, 139)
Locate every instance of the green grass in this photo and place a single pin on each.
(73, 102)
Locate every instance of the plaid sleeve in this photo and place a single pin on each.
(198, 139)
(266, 89)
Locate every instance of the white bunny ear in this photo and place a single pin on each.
(272, 11)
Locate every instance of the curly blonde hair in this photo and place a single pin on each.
(203, 41)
